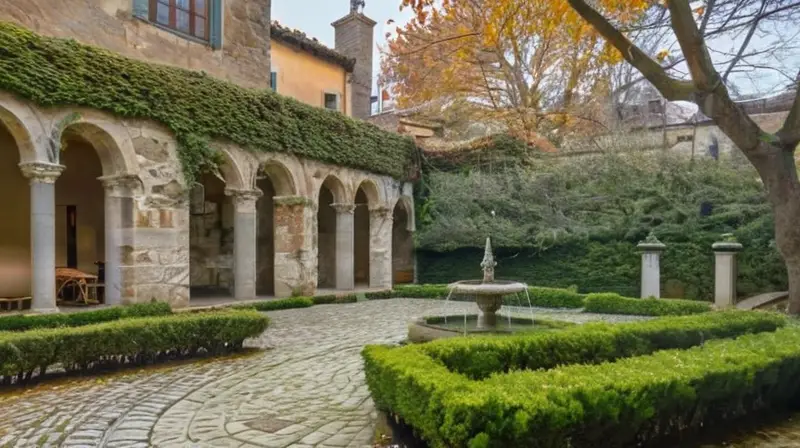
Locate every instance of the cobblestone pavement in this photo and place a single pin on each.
(306, 390)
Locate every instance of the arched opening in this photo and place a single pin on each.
(361, 239)
(80, 225)
(402, 245)
(211, 238)
(273, 180)
(326, 233)
(15, 253)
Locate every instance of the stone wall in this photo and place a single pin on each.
(243, 59)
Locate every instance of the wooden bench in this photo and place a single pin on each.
(15, 303)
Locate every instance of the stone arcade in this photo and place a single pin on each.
(273, 224)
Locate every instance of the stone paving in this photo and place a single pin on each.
(307, 389)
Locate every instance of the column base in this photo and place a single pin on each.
(45, 310)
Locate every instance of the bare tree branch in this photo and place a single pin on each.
(672, 89)
(746, 42)
(706, 15)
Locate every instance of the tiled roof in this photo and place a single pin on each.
(299, 39)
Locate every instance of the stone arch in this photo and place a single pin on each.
(21, 134)
(232, 172)
(407, 203)
(371, 191)
(281, 177)
(116, 152)
(337, 188)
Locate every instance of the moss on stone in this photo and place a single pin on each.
(195, 106)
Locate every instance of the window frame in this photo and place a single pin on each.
(338, 97)
(172, 26)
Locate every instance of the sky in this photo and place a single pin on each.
(314, 17)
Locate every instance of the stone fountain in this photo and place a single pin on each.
(489, 295)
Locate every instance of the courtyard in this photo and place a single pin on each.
(305, 389)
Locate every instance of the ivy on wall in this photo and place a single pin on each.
(195, 106)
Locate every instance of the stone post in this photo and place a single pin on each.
(118, 221)
(725, 271)
(244, 242)
(345, 247)
(43, 234)
(651, 249)
(295, 259)
(380, 247)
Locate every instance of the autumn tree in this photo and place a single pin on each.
(704, 77)
(513, 62)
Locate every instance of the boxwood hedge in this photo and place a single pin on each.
(195, 106)
(610, 303)
(23, 322)
(599, 403)
(127, 341)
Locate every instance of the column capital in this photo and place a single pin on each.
(244, 201)
(121, 184)
(381, 212)
(41, 172)
(344, 208)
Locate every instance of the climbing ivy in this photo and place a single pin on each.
(195, 106)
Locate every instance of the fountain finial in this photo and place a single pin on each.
(488, 262)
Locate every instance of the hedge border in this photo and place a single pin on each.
(611, 303)
(24, 322)
(26, 354)
(449, 409)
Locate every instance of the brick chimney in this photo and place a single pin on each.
(354, 39)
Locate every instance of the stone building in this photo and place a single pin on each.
(85, 187)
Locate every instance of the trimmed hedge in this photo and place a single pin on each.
(610, 303)
(280, 304)
(631, 400)
(195, 106)
(555, 297)
(593, 343)
(24, 322)
(127, 341)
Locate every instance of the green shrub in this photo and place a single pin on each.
(195, 106)
(481, 356)
(329, 299)
(610, 303)
(554, 297)
(422, 291)
(125, 341)
(280, 304)
(619, 403)
(23, 322)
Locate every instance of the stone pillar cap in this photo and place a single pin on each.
(726, 246)
(651, 244)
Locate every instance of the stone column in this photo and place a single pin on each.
(380, 247)
(725, 272)
(651, 249)
(345, 248)
(118, 222)
(295, 258)
(43, 234)
(244, 242)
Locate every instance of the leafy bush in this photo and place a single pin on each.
(325, 300)
(125, 341)
(23, 322)
(575, 221)
(195, 106)
(481, 356)
(555, 297)
(631, 400)
(280, 304)
(610, 303)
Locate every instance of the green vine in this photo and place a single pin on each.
(195, 106)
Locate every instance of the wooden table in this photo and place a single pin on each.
(68, 277)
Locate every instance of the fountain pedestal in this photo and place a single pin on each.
(489, 305)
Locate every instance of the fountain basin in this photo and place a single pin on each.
(439, 327)
(479, 288)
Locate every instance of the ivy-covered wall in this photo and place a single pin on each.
(195, 106)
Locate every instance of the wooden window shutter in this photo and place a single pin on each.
(216, 24)
(141, 9)
(273, 81)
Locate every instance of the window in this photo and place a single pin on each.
(187, 16)
(331, 101)
(685, 138)
(654, 106)
(273, 81)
